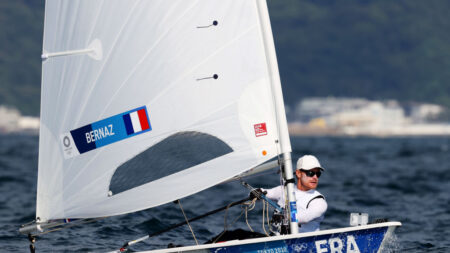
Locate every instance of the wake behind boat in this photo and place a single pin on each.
(147, 102)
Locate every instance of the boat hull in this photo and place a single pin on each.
(368, 238)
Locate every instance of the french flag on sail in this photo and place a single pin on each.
(136, 121)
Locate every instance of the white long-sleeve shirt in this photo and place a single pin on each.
(311, 206)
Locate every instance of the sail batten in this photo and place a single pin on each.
(95, 160)
(145, 55)
(107, 57)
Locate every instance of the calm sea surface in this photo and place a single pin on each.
(402, 179)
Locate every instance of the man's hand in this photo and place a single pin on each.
(256, 194)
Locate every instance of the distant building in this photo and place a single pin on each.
(310, 108)
(350, 111)
(371, 114)
(11, 121)
(359, 116)
(422, 113)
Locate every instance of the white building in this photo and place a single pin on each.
(357, 116)
(11, 121)
(421, 113)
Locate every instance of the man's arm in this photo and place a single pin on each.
(275, 193)
(316, 208)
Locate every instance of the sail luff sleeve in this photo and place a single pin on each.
(274, 76)
(280, 111)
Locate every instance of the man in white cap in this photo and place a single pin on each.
(311, 205)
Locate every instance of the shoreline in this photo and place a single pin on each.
(412, 130)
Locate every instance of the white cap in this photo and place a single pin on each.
(308, 162)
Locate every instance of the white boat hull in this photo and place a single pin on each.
(367, 238)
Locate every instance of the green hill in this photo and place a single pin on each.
(374, 49)
(21, 26)
(355, 48)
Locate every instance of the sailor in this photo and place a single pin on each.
(311, 205)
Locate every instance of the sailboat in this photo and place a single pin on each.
(145, 102)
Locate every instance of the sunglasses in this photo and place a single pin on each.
(310, 173)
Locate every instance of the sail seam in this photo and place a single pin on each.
(89, 38)
(168, 133)
(107, 57)
(171, 85)
(75, 207)
(61, 86)
(144, 57)
(101, 68)
(82, 108)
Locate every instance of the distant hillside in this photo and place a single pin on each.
(374, 49)
(21, 26)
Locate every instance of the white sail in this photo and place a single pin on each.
(148, 101)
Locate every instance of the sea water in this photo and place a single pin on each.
(401, 179)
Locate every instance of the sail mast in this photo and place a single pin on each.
(283, 133)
